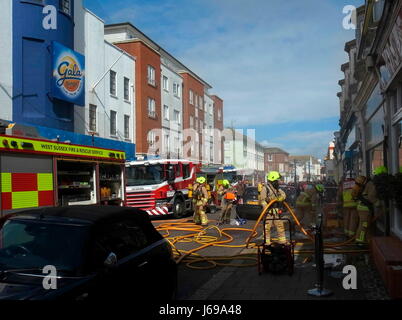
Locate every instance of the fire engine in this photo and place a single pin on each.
(160, 186)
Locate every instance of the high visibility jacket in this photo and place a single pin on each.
(307, 198)
(347, 199)
(369, 193)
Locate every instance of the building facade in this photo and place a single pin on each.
(172, 102)
(276, 159)
(376, 106)
(46, 40)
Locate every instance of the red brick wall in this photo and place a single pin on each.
(145, 56)
(191, 83)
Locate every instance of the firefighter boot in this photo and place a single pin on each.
(203, 216)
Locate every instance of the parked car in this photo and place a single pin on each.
(248, 207)
(99, 252)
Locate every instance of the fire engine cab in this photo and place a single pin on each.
(160, 187)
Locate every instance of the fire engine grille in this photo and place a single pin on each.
(141, 199)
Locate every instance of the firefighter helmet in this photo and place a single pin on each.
(273, 176)
(201, 180)
(380, 170)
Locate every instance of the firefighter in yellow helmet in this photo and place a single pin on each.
(200, 200)
(349, 207)
(366, 195)
(228, 197)
(306, 205)
(269, 192)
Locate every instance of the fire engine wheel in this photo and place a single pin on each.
(178, 208)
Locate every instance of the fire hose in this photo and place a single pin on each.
(198, 235)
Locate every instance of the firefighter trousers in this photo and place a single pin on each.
(305, 215)
(226, 211)
(362, 233)
(200, 217)
(350, 220)
(279, 225)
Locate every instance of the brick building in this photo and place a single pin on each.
(172, 102)
(276, 159)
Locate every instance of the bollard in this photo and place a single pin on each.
(319, 290)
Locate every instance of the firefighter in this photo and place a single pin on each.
(200, 200)
(228, 198)
(270, 192)
(365, 193)
(348, 206)
(306, 205)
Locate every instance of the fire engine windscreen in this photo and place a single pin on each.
(144, 175)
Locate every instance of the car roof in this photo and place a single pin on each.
(95, 214)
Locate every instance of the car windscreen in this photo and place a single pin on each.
(144, 175)
(35, 244)
(250, 193)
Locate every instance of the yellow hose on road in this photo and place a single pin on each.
(198, 234)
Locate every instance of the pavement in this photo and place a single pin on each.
(244, 283)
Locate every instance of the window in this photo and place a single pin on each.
(151, 138)
(177, 117)
(196, 100)
(191, 122)
(151, 108)
(165, 83)
(200, 103)
(112, 83)
(126, 126)
(399, 144)
(113, 116)
(176, 90)
(92, 118)
(210, 109)
(270, 158)
(151, 75)
(166, 143)
(166, 112)
(196, 124)
(126, 89)
(196, 113)
(219, 115)
(65, 6)
(191, 95)
(177, 147)
(186, 171)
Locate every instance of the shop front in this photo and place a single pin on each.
(41, 173)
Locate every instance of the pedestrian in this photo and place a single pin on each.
(348, 206)
(269, 192)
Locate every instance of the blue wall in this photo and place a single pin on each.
(32, 66)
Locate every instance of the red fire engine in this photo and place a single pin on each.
(160, 186)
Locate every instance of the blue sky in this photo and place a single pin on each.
(276, 64)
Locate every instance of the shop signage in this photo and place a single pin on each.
(68, 80)
(29, 145)
(392, 53)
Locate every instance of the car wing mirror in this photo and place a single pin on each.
(111, 260)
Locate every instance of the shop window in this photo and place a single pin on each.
(374, 101)
(375, 128)
(376, 158)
